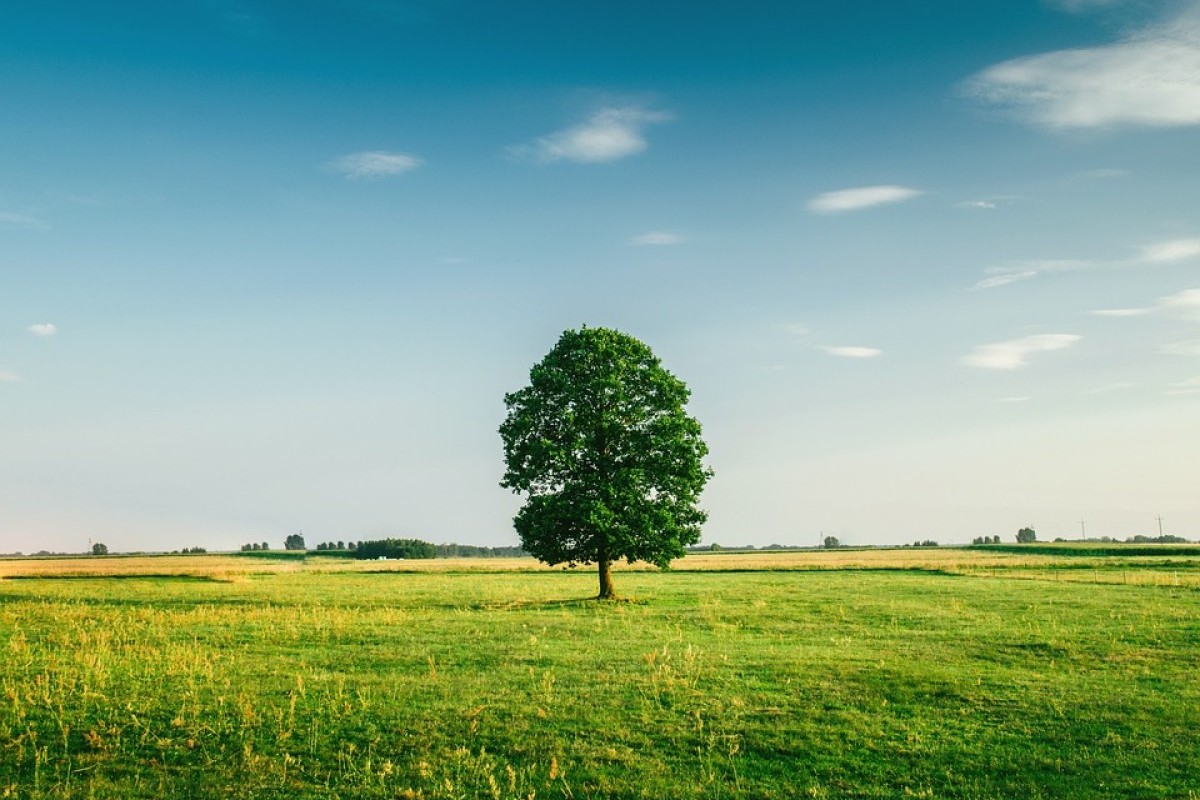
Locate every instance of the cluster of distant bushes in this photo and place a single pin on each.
(1166, 538)
(395, 548)
(413, 548)
(246, 548)
(986, 540)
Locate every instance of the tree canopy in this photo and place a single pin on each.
(611, 462)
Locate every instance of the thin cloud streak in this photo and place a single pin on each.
(657, 239)
(25, 221)
(1015, 353)
(845, 351)
(860, 198)
(374, 164)
(1185, 304)
(43, 329)
(1174, 251)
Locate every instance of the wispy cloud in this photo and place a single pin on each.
(1190, 347)
(8, 377)
(1108, 388)
(26, 221)
(1189, 386)
(845, 351)
(374, 164)
(1015, 353)
(1170, 252)
(607, 135)
(1185, 304)
(796, 329)
(1174, 251)
(1101, 174)
(1149, 78)
(657, 239)
(1005, 278)
(1077, 6)
(860, 198)
(980, 205)
(804, 335)
(43, 329)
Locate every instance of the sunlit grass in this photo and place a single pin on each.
(829, 674)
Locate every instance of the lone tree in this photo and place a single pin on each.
(1026, 535)
(600, 442)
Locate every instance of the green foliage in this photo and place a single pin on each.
(831, 541)
(294, 541)
(395, 548)
(99, 549)
(1026, 536)
(611, 462)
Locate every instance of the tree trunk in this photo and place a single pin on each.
(606, 584)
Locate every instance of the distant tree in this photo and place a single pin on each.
(353, 546)
(99, 549)
(603, 447)
(294, 541)
(714, 547)
(1026, 535)
(831, 541)
(341, 545)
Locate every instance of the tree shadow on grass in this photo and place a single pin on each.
(523, 604)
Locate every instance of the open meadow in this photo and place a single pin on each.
(940, 673)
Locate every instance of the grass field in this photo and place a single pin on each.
(966, 673)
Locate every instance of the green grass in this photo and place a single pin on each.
(834, 683)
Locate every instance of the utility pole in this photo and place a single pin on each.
(1159, 518)
(1083, 528)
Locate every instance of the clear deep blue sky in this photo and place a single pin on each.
(931, 270)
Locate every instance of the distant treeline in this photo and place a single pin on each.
(413, 548)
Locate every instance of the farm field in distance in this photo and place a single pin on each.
(988, 672)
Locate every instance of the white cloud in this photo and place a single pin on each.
(23, 221)
(1005, 278)
(607, 135)
(1157, 253)
(43, 329)
(1169, 252)
(797, 329)
(859, 198)
(1185, 303)
(657, 238)
(1016, 352)
(853, 352)
(1121, 312)
(8, 377)
(981, 205)
(374, 164)
(1149, 78)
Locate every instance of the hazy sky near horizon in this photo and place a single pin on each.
(931, 270)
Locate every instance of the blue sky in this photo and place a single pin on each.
(268, 267)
